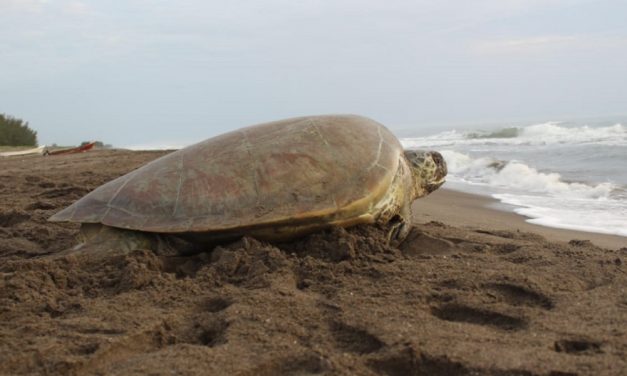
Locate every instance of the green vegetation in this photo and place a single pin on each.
(15, 132)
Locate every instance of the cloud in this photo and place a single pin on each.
(26, 6)
(38, 7)
(523, 44)
(77, 8)
(549, 44)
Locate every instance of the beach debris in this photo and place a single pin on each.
(46, 150)
(79, 149)
(19, 153)
(275, 182)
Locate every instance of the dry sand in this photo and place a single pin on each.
(472, 291)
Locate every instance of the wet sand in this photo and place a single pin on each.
(472, 291)
(470, 211)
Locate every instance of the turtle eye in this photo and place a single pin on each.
(416, 157)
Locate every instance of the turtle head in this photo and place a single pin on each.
(428, 169)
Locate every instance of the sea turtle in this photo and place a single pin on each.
(274, 181)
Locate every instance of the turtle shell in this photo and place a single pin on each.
(296, 171)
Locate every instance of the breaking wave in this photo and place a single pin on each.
(544, 197)
(537, 134)
(518, 176)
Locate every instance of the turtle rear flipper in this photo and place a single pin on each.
(107, 240)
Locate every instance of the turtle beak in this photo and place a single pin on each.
(433, 186)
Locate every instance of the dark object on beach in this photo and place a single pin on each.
(78, 149)
(274, 181)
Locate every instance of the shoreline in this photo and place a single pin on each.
(468, 210)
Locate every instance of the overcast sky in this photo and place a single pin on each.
(174, 72)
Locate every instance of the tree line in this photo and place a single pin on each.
(15, 132)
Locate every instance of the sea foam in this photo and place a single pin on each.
(593, 215)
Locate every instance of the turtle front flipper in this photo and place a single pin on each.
(399, 226)
(398, 230)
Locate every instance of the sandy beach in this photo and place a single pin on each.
(473, 290)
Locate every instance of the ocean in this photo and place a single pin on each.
(570, 175)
